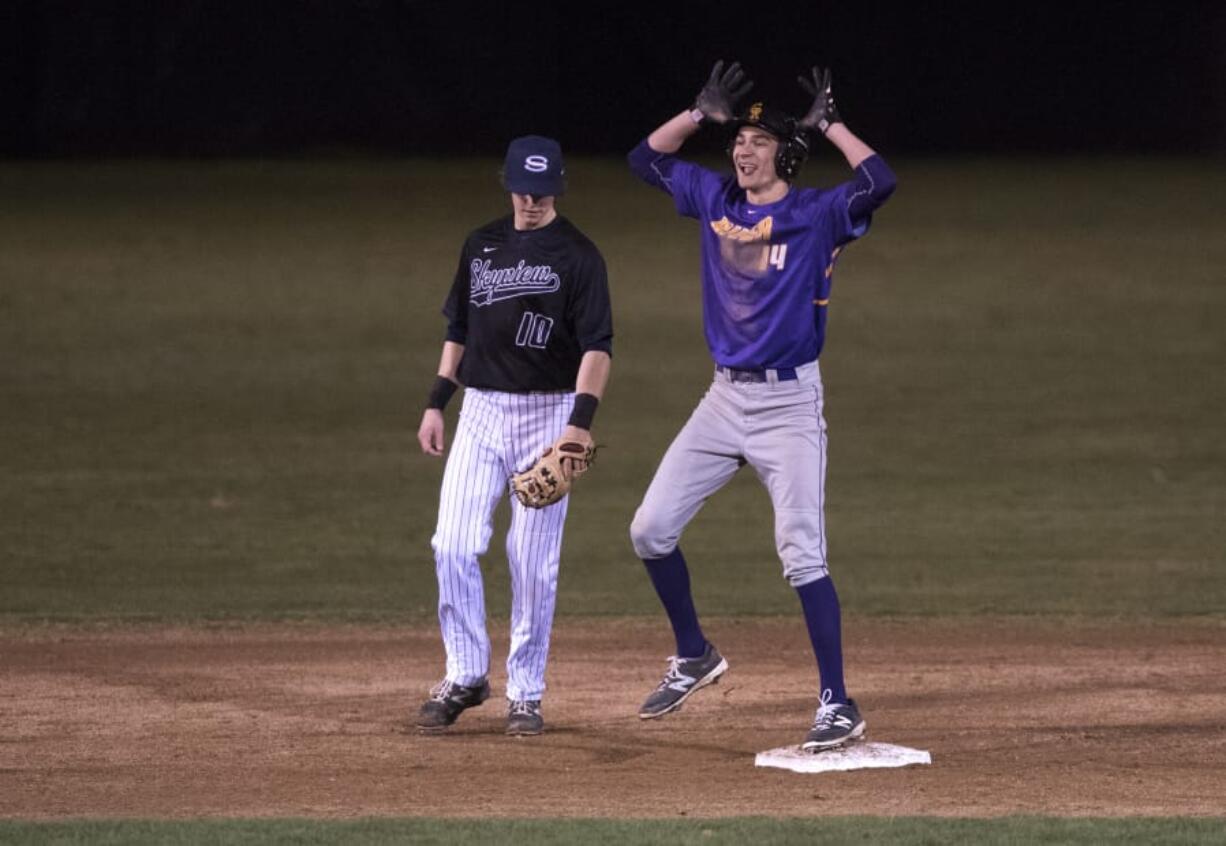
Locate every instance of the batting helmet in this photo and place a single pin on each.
(793, 140)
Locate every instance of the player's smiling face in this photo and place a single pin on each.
(532, 211)
(753, 156)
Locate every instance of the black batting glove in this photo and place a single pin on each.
(716, 102)
(823, 111)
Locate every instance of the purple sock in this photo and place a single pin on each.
(821, 606)
(671, 579)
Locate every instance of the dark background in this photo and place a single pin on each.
(399, 77)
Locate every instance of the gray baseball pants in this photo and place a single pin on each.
(777, 428)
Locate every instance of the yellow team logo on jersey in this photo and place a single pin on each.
(727, 230)
(747, 250)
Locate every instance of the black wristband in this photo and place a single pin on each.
(584, 411)
(441, 393)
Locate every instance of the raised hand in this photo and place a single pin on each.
(724, 89)
(823, 111)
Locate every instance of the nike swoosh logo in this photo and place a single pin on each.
(488, 249)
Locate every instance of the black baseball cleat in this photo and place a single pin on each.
(684, 677)
(524, 718)
(447, 701)
(833, 725)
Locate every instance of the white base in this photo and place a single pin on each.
(857, 755)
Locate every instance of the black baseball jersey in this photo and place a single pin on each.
(527, 305)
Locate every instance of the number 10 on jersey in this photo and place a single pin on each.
(533, 330)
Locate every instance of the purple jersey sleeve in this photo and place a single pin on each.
(849, 210)
(656, 169)
(687, 183)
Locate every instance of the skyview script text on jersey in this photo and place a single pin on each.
(488, 285)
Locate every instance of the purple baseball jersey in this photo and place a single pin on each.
(766, 270)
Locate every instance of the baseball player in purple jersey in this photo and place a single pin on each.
(529, 335)
(768, 251)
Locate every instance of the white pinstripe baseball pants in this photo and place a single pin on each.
(499, 434)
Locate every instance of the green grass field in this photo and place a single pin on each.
(211, 376)
(1005, 831)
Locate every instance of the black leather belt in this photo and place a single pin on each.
(783, 374)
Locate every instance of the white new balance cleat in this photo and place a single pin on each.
(834, 724)
(684, 676)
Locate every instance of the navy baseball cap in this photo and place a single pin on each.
(534, 166)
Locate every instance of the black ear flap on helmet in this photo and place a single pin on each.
(792, 155)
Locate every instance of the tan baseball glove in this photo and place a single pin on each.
(550, 478)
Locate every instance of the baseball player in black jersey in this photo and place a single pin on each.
(529, 335)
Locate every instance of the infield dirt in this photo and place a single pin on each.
(1021, 716)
